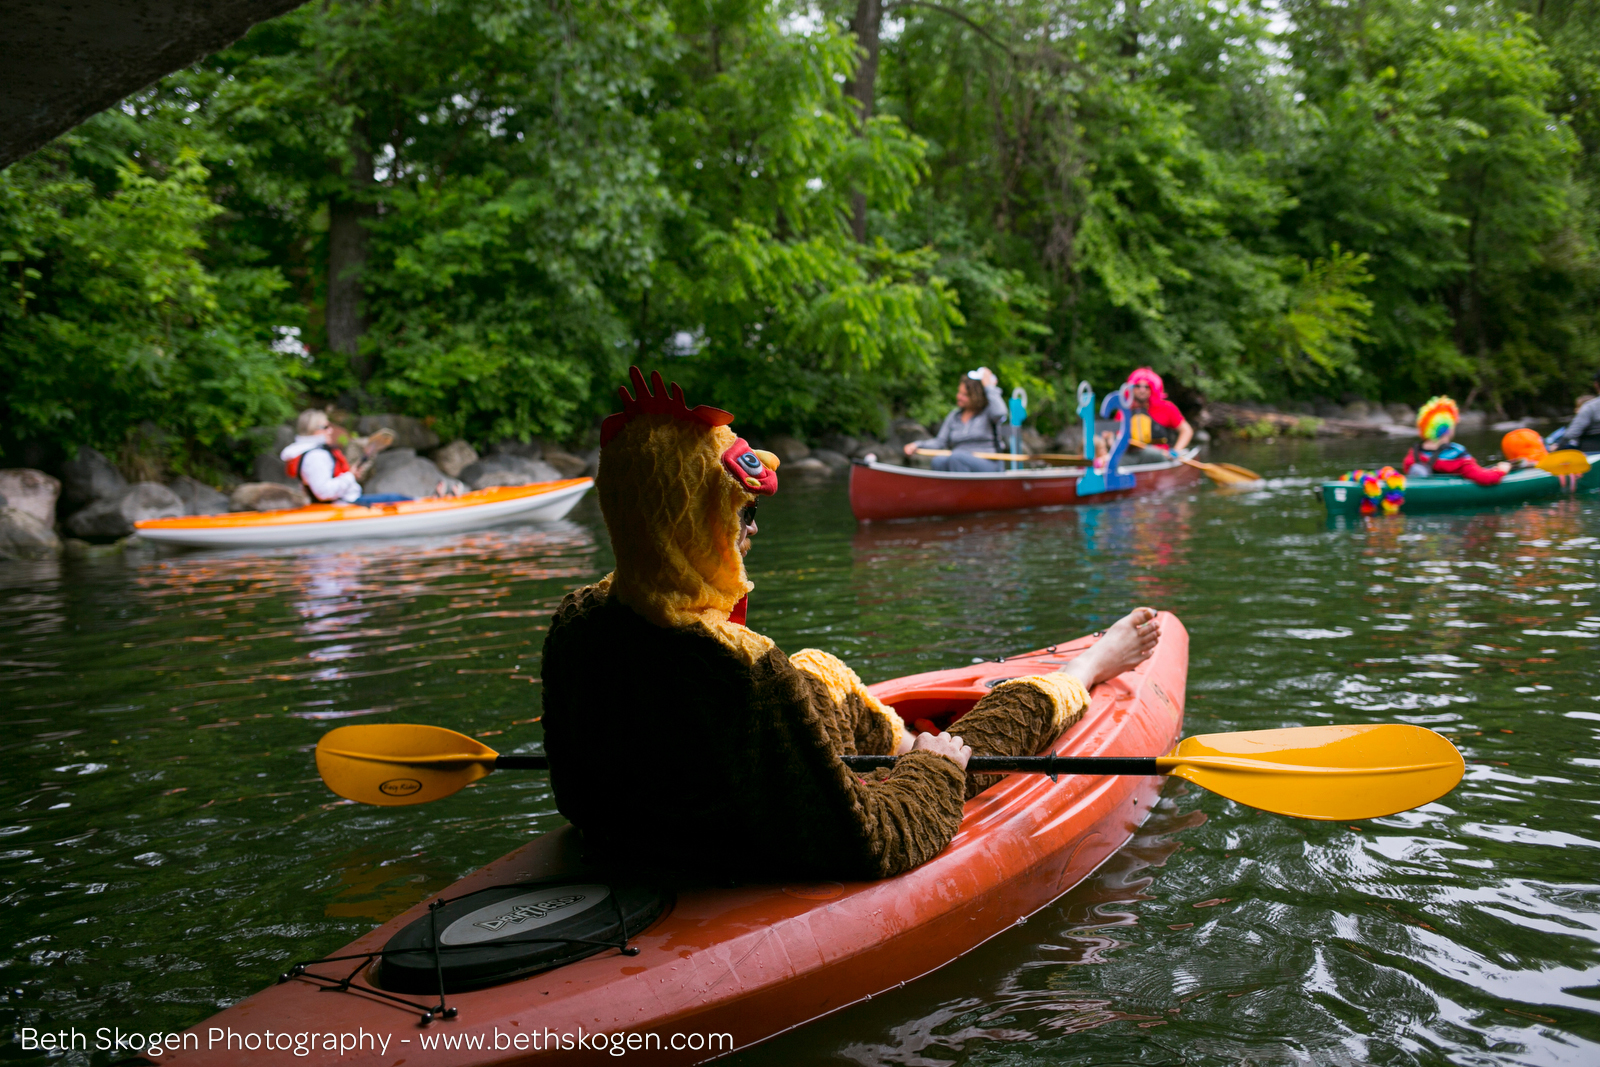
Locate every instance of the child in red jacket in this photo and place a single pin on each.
(1439, 454)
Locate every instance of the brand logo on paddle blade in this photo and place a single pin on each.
(400, 787)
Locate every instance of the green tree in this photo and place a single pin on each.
(111, 317)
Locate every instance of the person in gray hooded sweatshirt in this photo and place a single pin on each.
(974, 426)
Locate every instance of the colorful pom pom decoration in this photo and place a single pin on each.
(1381, 490)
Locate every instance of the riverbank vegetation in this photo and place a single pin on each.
(479, 212)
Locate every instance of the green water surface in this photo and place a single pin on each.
(166, 848)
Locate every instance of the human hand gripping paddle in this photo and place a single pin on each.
(1310, 772)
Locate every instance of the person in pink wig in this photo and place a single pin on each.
(1158, 425)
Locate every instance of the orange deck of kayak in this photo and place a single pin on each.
(753, 961)
(339, 512)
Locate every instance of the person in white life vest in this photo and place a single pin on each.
(322, 468)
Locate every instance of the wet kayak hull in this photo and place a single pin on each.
(1445, 492)
(750, 962)
(542, 502)
(881, 491)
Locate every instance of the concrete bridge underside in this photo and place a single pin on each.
(63, 60)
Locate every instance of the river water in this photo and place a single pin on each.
(165, 846)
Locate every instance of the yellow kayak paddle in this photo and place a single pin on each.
(1311, 772)
(1566, 461)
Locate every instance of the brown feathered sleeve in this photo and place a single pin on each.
(862, 826)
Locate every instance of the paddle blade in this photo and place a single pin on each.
(1566, 461)
(396, 764)
(1323, 772)
(1224, 476)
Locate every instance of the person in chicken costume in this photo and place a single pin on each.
(681, 740)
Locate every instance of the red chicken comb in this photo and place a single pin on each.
(657, 398)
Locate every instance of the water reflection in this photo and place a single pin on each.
(164, 842)
(164, 846)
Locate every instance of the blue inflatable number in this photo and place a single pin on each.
(1110, 478)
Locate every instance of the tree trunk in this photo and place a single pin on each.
(347, 255)
(866, 25)
(1129, 46)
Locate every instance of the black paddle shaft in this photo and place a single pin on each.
(1051, 765)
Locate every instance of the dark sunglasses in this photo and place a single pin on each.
(747, 514)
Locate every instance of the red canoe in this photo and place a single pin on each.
(881, 491)
(726, 967)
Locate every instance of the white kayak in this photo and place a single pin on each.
(541, 502)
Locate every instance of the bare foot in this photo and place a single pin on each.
(1127, 644)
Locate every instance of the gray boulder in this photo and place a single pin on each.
(909, 430)
(198, 497)
(513, 447)
(267, 467)
(835, 461)
(89, 477)
(788, 449)
(569, 465)
(410, 475)
(408, 432)
(115, 518)
(455, 457)
(268, 496)
(807, 470)
(24, 536)
(1069, 440)
(101, 519)
(388, 460)
(843, 444)
(867, 444)
(503, 469)
(32, 491)
(1473, 420)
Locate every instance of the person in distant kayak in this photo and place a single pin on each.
(323, 469)
(1158, 428)
(1438, 453)
(1583, 432)
(972, 426)
(682, 741)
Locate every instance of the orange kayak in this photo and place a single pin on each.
(543, 501)
(723, 968)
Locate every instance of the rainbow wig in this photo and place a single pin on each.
(1437, 418)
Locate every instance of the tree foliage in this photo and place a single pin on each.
(480, 211)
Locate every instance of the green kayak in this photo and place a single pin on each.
(1446, 491)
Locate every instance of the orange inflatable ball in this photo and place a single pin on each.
(1522, 444)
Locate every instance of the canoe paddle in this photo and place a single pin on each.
(1310, 772)
(1225, 473)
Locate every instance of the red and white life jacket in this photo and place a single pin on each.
(340, 464)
